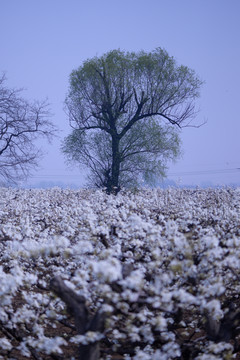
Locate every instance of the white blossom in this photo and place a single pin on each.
(89, 337)
(107, 270)
(139, 259)
(214, 309)
(5, 344)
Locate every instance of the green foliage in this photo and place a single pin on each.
(144, 152)
(121, 107)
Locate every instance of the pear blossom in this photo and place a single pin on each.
(157, 264)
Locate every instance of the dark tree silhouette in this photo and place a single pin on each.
(21, 123)
(125, 109)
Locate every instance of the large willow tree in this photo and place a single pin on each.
(125, 110)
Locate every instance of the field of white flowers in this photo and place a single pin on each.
(150, 275)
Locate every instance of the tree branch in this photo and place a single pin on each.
(76, 305)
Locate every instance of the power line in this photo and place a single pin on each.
(206, 172)
(54, 175)
(183, 173)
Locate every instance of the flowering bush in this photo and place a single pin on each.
(160, 268)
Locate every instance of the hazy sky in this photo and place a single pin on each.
(42, 41)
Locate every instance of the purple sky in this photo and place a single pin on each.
(42, 41)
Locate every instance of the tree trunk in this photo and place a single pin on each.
(76, 305)
(115, 188)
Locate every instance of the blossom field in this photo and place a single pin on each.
(144, 275)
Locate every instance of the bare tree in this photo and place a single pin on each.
(21, 123)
